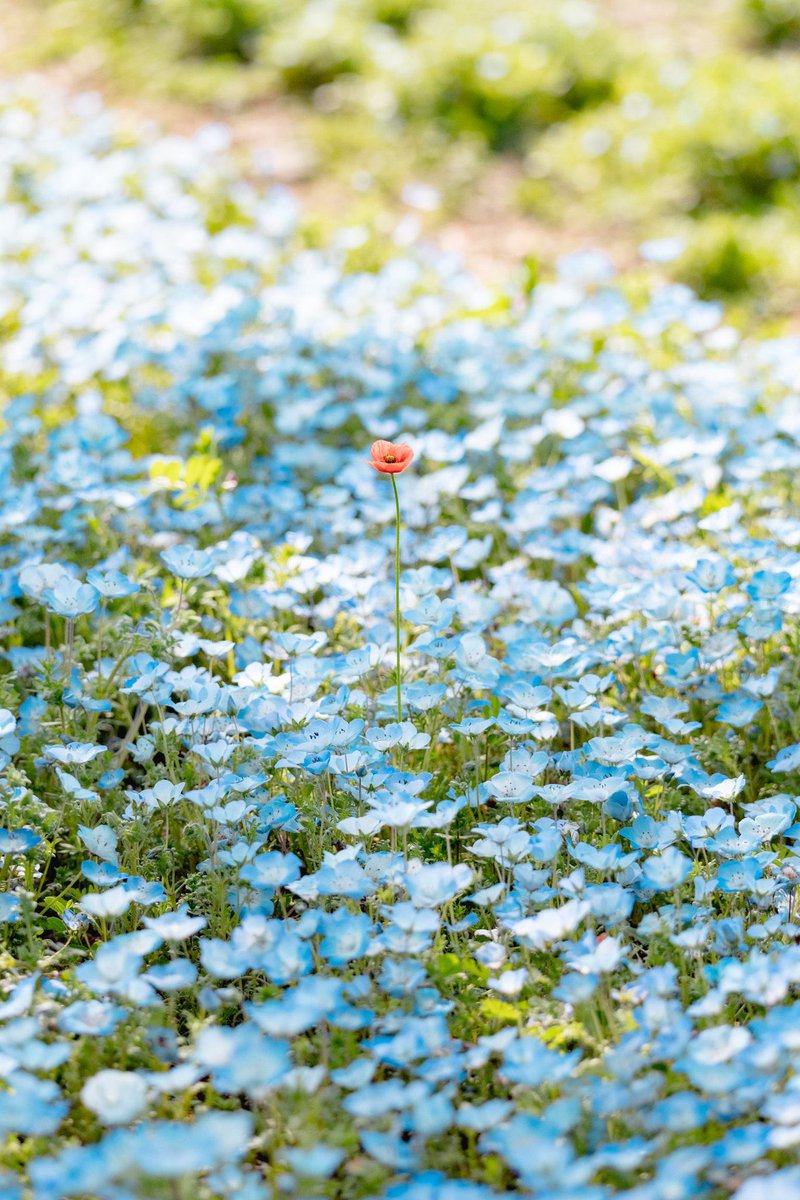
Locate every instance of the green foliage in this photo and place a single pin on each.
(497, 77)
(772, 24)
(505, 80)
(708, 153)
(726, 257)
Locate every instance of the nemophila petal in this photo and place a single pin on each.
(144, 891)
(787, 759)
(20, 999)
(173, 976)
(550, 925)
(18, 841)
(739, 710)
(434, 884)
(101, 874)
(71, 598)
(100, 840)
(73, 753)
(109, 904)
(318, 1162)
(272, 870)
(510, 787)
(175, 926)
(662, 872)
(111, 584)
(187, 562)
(115, 1097)
(91, 1018)
(739, 876)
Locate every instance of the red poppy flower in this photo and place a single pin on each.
(389, 458)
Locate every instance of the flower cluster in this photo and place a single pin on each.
(262, 938)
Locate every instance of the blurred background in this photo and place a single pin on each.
(666, 132)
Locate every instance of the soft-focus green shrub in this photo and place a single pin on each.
(725, 135)
(723, 258)
(500, 74)
(711, 152)
(772, 23)
(507, 77)
(214, 28)
(734, 256)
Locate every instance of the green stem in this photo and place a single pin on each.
(397, 593)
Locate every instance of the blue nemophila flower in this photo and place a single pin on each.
(346, 936)
(550, 925)
(318, 1162)
(175, 926)
(434, 884)
(739, 710)
(163, 794)
(173, 976)
(91, 1018)
(70, 598)
(171, 1149)
(187, 562)
(10, 908)
(111, 584)
(647, 834)
(768, 585)
(18, 841)
(712, 575)
(109, 904)
(101, 874)
(787, 759)
(101, 840)
(9, 741)
(663, 872)
(272, 870)
(115, 1097)
(529, 1062)
(31, 1107)
(510, 787)
(242, 1059)
(314, 999)
(739, 876)
(591, 956)
(73, 753)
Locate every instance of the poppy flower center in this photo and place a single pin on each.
(390, 458)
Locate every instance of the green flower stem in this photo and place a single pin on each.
(397, 592)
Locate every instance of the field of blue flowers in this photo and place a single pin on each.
(264, 935)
